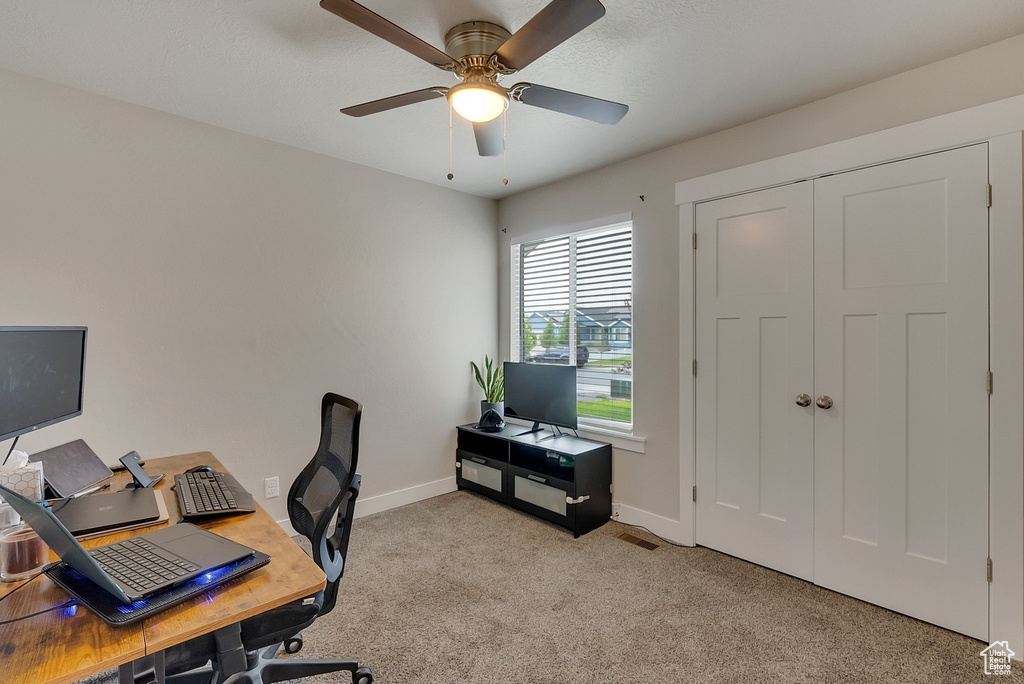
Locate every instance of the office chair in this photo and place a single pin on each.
(327, 485)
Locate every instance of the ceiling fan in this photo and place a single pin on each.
(480, 53)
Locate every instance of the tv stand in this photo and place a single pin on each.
(562, 478)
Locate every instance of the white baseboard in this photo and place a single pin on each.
(665, 528)
(286, 525)
(384, 502)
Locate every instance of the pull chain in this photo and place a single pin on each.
(450, 174)
(504, 147)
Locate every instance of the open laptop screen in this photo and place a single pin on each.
(63, 543)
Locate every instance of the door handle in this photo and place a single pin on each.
(824, 402)
(803, 400)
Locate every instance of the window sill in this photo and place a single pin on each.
(619, 440)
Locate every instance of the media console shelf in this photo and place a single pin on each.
(564, 479)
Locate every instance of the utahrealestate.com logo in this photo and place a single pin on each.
(997, 658)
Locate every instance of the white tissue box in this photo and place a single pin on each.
(8, 517)
(26, 480)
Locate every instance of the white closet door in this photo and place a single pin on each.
(754, 346)
(901, 347)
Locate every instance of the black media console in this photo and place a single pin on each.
(564, 479)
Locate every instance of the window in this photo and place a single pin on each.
(572, 303)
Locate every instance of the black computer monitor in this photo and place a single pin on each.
(542, 393)
(41, 377)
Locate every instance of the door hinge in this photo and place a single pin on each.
(988, 569)
(695, 366)
(990, 382)
(695, 492)
(989, 195)
(695, 237)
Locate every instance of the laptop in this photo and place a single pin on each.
(138, 567)
(88, 515)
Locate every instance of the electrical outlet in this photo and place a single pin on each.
(272, 487)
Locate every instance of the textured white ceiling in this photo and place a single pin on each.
(281, 69)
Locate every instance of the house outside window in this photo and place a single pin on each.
(588, 273)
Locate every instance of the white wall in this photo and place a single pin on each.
(228, 282)
(650, 481)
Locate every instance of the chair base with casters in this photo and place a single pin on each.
(266, 669)
(263, 668)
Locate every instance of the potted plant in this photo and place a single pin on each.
(493, 384)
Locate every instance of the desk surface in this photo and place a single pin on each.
(58, 647)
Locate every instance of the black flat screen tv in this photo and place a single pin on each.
(542, 393)
(41, 377)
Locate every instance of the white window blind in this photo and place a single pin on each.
(572, 303)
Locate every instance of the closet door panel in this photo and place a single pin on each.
(754, 346)
(901, 348)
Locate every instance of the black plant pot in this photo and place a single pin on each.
(498, 406)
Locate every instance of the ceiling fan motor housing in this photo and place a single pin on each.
(475, 39)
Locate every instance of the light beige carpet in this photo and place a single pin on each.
(460, 589)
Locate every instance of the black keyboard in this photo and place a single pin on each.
(210, 493)
(141, 566)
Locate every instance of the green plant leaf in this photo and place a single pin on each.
(493, 381)
(479, 378)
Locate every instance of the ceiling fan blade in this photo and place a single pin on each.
(394, 34)
(557, 22)
(395, 101)
(573, 104)
(489, 138)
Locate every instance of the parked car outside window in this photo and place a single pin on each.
(560, 354)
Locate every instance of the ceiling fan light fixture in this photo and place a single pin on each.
(478, 102)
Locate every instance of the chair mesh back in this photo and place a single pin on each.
(319, 488)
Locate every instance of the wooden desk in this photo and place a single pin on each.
(58, 647)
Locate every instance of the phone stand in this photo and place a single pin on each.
(140, 480)
(136, 483)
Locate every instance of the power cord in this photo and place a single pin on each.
(28, 581)
(69, 602)
(11, 450)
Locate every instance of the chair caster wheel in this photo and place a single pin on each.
(362, 676)
(293, 645)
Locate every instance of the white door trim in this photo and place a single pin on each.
(999, 124)
(968, 126)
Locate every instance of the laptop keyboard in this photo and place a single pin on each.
(141, 566)
(204, 492)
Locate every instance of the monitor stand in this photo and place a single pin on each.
(536, 428)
